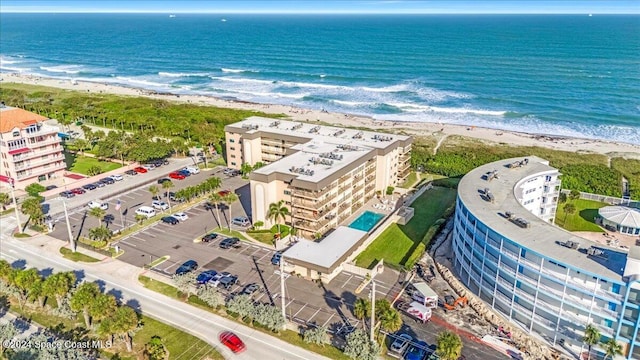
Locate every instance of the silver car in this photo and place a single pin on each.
(399, 345)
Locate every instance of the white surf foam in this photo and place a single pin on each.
(67, 69)
(5, 60)
(170, 74)
(13, 68)
(227, 70)
(129, 80)
(352, 103)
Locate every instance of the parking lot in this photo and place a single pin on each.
(81, 222)
(329, 305)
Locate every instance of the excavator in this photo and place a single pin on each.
(451, 303)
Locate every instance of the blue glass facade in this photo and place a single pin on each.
(541, 294)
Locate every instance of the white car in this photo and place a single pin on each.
(117, 177)
(180, 216)
(159, 205)
(98, 204)
(192, 170)
(149, 166)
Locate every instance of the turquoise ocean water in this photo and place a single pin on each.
(571, 75)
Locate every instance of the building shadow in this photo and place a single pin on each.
(244, 193)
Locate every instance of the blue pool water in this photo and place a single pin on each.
(366, 221)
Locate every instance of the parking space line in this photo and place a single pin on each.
(257, 251)
(329, 319)
(345, 283)
(314, 314)
(297, 312)
(264, 256)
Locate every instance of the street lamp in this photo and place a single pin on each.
(15, 203)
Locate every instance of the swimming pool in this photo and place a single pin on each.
(366, 221)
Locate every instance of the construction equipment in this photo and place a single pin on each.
(451, 304)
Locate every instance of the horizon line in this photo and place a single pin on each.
(231, 12)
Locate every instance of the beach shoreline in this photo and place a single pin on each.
(439, 131)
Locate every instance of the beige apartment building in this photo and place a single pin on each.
(323, 173)
(30, 150)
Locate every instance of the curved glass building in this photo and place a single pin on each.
(542, 278)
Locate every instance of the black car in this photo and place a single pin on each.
(89, 187)
(209, 237)
(250, 289)
(107, 181)
(51, 187)
(157, 163)
(131, 172)
(67, 194)
(99, 184)
(228, 281)
(187, 267)
(160, 181)
(170, 220)
(230, 243)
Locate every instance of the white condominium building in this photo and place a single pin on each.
(323, 173)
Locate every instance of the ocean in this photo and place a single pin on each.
(563, 75)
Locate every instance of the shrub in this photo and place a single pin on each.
(34, 189)
(390, 190)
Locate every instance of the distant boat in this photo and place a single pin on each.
(172, 16)
(223, 20)
(590, 15)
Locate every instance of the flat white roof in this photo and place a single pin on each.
(312, 162)
(327, 252)
(425, 289)
(541, 237)
(310, 130)
(621, 215)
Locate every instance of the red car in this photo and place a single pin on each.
(232, 341)
(140, 170)
(78, 191)
(176, 175)
(224, 193)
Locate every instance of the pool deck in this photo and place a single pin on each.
(390, 205)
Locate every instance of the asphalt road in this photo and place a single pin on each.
(119, 279)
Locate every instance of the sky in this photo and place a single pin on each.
(328, 6)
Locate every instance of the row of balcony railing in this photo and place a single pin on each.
(41, 171)
(32, 163)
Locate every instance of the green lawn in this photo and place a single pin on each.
(401, 245)
(266, 236)
(76, 256)
(225, 231)
(180, 344)
(82, 164)
(411, 180)
(582, 219)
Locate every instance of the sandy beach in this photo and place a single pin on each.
(438, 130)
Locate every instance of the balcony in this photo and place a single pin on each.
(264, 142)
(357, 188)
(41, 171)
(404, 157)
(30, 164)
(370, 170)
(312, 194)
(37, 153)
(312, 205)
(41, 131)
(312, 225)
(273, 150)
(404, 166)
(36, 144)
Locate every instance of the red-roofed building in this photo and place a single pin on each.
(30, 150)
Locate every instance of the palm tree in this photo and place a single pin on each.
(83, 299)
(103, 306)
(612, 348)
(166, 186)
(59, 284)
(277, 211)
(229, 199)
(215, 199)
(81, 145)
(362, 308)
(591, 337)
(98, 213)
(449, 346)
(390, 320)
(574, 195)
(100, 234)
(154, 191)
(31, 206)
(5, 199)
(125, 321)
(569, 209)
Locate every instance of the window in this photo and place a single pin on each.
(233, 156)
(232, 140)
(233, 163)
(16, 133)
(232, 148)
(287, 192)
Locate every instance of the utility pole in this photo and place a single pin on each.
(283, 301)
(15, 205)
(66, 218)
(373, 308)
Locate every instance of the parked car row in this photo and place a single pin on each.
(213, 278)
(407, 348)
(184, 173)
(88, 187)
